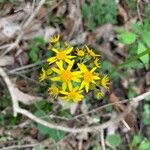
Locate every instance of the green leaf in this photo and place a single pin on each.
(147, 98)
(145, 58)
(114, 140)
(146, 38)
(97, 148)
(1, 119)
(52, 133)
(33, 55)
(145, 145)
(39, 41)
(136, 140)
(85, 11)
(127, 37)
(2, 1)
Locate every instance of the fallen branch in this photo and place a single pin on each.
(28, 114)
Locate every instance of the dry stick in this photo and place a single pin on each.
(27, 66)
(138, 11)
(25, 25)
(84, 129)
(28, 114)
(11, 90)
(102, 140)
(19, 146)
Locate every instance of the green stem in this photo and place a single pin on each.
(129, 61)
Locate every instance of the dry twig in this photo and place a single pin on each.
(28, 114)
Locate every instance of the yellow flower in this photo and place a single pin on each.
(49, 71)
(91, 53)
(80, 53)
(61, 55)
(74, 94)
(99, 95)
(55, 39)
(54, 90)
(43, 75)
(88, 76)
(105, 82)
(65, 75)
(96, 62)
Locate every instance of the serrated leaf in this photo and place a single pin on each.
(114, 140)
(127, 37)
(145, 58)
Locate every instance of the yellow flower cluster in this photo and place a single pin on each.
(73, 72)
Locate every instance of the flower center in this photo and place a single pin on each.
(66, 75)
(80, 53)
(72, 95)
(88, 77)
(61, 56)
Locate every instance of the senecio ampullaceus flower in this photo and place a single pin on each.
(73, 72)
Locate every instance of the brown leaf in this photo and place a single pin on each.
(42, 13)
(114, 99)
(130, 117)
(123, 13)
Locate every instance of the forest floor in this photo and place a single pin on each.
(118, 31)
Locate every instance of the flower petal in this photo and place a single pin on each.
(56, 70)
(82, 85)
(55, 50)
(60, 65)
(87, 87)
(69, 50)
(82, 67)
(64, 86)
(51, 60)
(93, 69)
(55, 79)
(70, 86)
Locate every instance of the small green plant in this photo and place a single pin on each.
(146, 113)
(139, 142)
(137, 41)
(34, 47)
(14, 2)
(52, 133)
(99, 12)
(114, 140)
(73, 72)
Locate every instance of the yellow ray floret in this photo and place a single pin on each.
(54, 90)
(43, 75)
(96, 62)
(55, 39)
(88, 76)
(105, 82)
(91, 52)
(74, 94)
(61, 55)
(65, 75)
